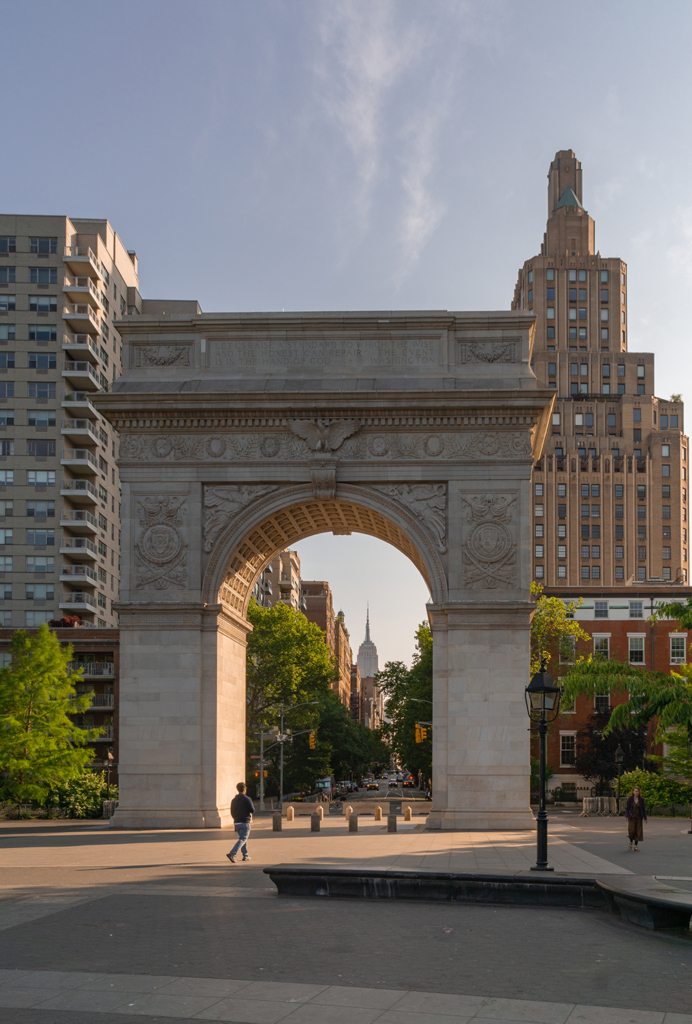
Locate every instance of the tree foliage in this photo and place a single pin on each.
(82, 796)
(40, 746)
(596, 746)
(408, 695)
(553, 632)
(657, 790)
(289, 663)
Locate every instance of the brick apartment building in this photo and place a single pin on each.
(319, 608)
(610, 501)
(618, 621)
(97, 652)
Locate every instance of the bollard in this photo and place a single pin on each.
(391, 822)
(320, 813)
(315, 820)
(277, 823)
(348, 811)
(408, 814)
(378, 814)
(290, 814)
(353, 823)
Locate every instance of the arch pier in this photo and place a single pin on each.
(241, 434)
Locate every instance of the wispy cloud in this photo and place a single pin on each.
(365, 54)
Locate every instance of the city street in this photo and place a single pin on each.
(166, 910)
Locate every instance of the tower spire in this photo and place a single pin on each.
(367, 625)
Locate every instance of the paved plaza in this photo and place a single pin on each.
(96, 924)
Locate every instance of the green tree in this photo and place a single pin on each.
(408, 694)
(41, 748)
(554, 631)
(82, 796)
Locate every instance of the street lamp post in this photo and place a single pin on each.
(619, 758)
(286, 736)
(542, 703)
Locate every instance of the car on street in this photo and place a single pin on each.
(372, 784)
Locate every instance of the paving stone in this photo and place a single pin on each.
(525, 1010)
(376, 998)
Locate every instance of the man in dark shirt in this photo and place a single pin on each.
(242, 809)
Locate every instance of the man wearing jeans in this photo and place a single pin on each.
(242, 809)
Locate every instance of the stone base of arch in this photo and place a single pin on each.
(481, 763)
(182, 715)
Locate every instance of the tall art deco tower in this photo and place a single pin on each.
(610, 493)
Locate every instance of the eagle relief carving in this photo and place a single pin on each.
(490, 551)
(221, 504)
(160, 552)
(324, 435)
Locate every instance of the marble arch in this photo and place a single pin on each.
(242, 433)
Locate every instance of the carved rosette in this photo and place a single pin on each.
(161, 550)
(461, 445)
(223, 503)
(490, 550)
(427, 502)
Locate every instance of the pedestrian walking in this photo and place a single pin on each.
(635, 812)
(242, 809)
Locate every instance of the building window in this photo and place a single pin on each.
(619, 551)
(585, 511)
(562, 551)
(42, 537)
(8, 245)
(641, 573)
(665, 490)
(539, 551)
(39, 592)
(604, 315)
(550, 274)
(42, 332)
(551, 335)
(45, 246)
(665, 448)
(538, 490)
(677, 650)
(561, 531)
(674, 423)
(40, 563)
(550, 312)
(562, 490)
(538, 529)
(538, 511)
(43, 303)
(636, 609)
(641, 511)
(44, 449)
(8, 275)
(640, 371)
(585, 572)
(636, 650)
(42, 477)
(7, 303)
(619, 490)
(41, 389)
(7, 332)
(552, 369)
(41, 418)
(666, 572)
(539, 572)
(6, 448)
(42, 361)
(43, 275)
(665, 511)
(595, 572)
(568, 749)
(619, 572)
(562, 572)
(595, 511)
(600, 609)
(40, 508)
(601, 702)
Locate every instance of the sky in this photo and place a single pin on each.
(359, 154)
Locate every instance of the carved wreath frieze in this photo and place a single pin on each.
(488, 352)
(372, 447)
(223, 503)
(490, 550)
(162, 355)
(161, 550)
(428, 502)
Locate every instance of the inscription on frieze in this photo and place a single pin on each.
(338, 353)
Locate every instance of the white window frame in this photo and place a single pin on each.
(678, 636)
(630, 638)
(568, 732)
(601, 636)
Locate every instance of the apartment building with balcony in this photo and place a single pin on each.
(64, 284)
(610, 501)
(96, 652)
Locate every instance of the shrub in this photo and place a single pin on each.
(657, 790)
(82, 797)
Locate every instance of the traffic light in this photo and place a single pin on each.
(257, 774)
(421, 733)
(313, 740)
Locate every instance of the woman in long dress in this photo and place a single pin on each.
(635, 812)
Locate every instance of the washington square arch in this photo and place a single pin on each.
(241, 434)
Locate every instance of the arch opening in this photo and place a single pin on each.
(292, 523)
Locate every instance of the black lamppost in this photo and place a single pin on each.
(619, 758)
(543, 704)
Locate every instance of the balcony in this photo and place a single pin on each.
(79, 575)
(79, 401)
(79, 521)
(77, 600)
(80, 548)
(80, 430)
(83, 374)
(93, 669)
(80, 460)
(81, 259)
(80, 491)
(81, 289)
(81, 346)
(100, 701)
(107, 735)
(81, 316)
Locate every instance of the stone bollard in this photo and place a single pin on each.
(290, 814)
(277, 823)
(391, 822)
(353, 823)
(320, 813)
(378, 814)
(348, 811)
(315, 821)
(408, 814)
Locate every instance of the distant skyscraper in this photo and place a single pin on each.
(367, 654)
